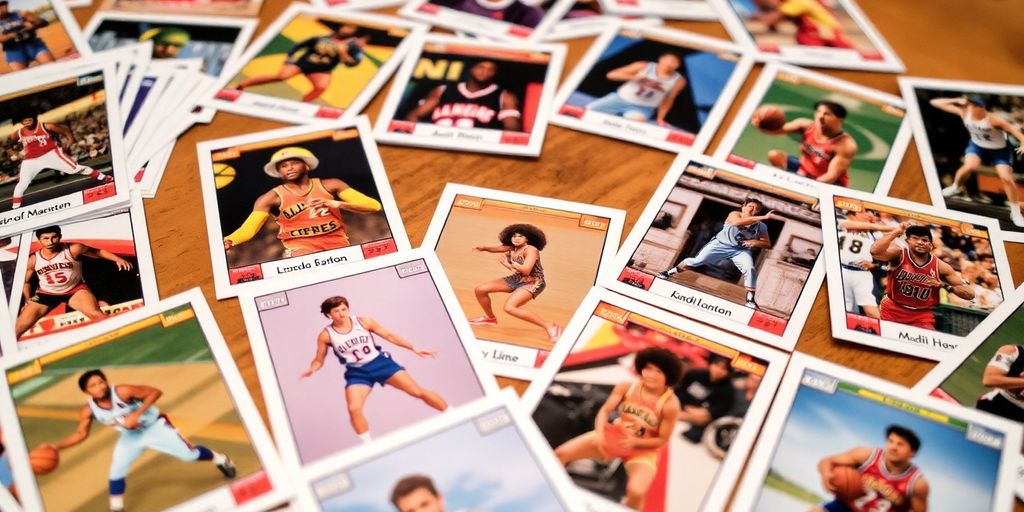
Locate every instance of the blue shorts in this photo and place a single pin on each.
(24, 52)
(615, 105)
(793, 164)
(1002, 156)
(377, 371)
(6, 478)
(836, 506)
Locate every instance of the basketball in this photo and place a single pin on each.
(614, 433)
(769, 118)
(223, 175)
(44, 459)
(847, 483)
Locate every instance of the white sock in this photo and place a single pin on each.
(365, 436)
(117, 502)
(219, 458)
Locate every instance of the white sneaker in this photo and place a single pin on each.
(952, 190)
(1016, 217)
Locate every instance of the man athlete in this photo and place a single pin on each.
(744, 230)
(59, 268)
(891, 482)
(815, 23)
(987, 145)
(649, 89)
(18, 38)
(417, 493)
(915, 276)
(826, 151)
(309, 209)
(856, 234)
(131, 409)
(1003, 373)
(42, 151)
(476, 103)
(167, 41)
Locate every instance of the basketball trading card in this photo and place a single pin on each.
(721, 244)
(153, 171)
(144, 411)
(654, 86)
(694, 10)
(837, 439)
(587, 18)
(819, 33)
(471, 95)
(969, 137)
(514, 21)
(146, 100)
(295, 201)
(314, 64)
(62, 150)
(500, 251)
(796, 122)
(37, 33)
(689, 401)
(908, 277)
(391, 321)
(193, 7)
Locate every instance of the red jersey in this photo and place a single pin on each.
(815, 155)
(884, 491)
(37, 142)
(305, 230)
(904, 285)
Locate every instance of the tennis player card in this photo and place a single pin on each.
(721, 242)
(472, 95)
(654, 86)
(908, 277)
(802, 123)
(689, 400)
(500, 251)
(38, 33)
(964, 133)
(513, 21)
(833, 34)
(323, 343)
(315, 64)
(694, 10)
(146, 410)
(837, 439)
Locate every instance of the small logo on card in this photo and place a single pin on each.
(679, 137)
(229, 94)
(97, 193)
(739, 160)
(245, 274)
(379, 248)
(412, 268)
(572, 110)
(819, 381)
(250, 487)
(274, 301)
(488, 424)
(329, 112)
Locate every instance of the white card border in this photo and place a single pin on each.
(699, 10)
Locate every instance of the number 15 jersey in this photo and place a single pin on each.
(59, 274)
(354, 348)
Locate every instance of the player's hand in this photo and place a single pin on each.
(228, 245)
(864, 264)
(317, 202)
(424, 353)
(123, 264)
(47, 445)
(1019, 150)
(505, 263)
(931, 281)
(131, 421)
(662, 123)
(903, 227)
(479, 248)
(749, 244)
(769, 215)
(628, 443)
(306, 374)
(826, 482)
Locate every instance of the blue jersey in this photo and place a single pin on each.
(14, 22)
(119, 409)
(735, 236)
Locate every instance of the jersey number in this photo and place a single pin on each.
(366, 350)
(855, 245)
(914, 291)
(55, 278)
(882, 505)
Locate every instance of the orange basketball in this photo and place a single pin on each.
(847, 482)
(614, 433)
(44, 459)
(769, 118)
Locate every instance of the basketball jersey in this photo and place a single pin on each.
(462, 108)
(14, 22)
(641, 416)
(884, 491)
(1016, 369)
(811, 15)
(322, 52)
(297, 220)
(904, 285)
(537, 273)
(119, 408)
(855, 246)
(650, 89)
(983, 134)
(36, 142)
(736, 235)
(59, 274)
(815, 155)
(354, 348)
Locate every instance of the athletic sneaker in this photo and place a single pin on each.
(952, 190)
(752, 305)
(1016, 217)
(981, 198)
(483, 320)
(228, 468)
(554, 332)
(106, 179)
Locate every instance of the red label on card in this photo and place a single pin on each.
(97, 193)
(245, 274)
(572, 110)
(139, 174)
(379, 248)
(739, 160)
(429, 8)
(542, 355)
(329, 112)
(863, 324)
(250, 487)
(229, 94)
(627, 2)
(768, 48)
(680, 137)
(768, 323)
(871, 55)
(636, 278)
(520, 31)
(939, 393)
(518, 138)
(336, 2)
(401, 126)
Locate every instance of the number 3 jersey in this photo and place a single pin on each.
(885, 491)
(356, 347)
(60, 274)
(905, 284)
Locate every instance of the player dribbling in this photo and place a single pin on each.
(826, 151)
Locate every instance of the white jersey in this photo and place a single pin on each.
(59, 274)
(983, 134)
(649, 90)
(119, 409)
(354, 348)
(855, 246)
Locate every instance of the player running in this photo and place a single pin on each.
(366, 363)
(132, 410)
(42, 151)
(856, 235)
(19, 41)
(815, 23)
(915, 276)
(891, 481)
(649, 89)
(826, 151)
(58, 266)
(647, 411)
(1005, 374)
(988, 146)
(476, 103)
(308, 209)
(743, 231)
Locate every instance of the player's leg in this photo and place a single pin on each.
(483, 293)
(638, 113)
(41, 54)
(863, 293)
(86, 303)
(1012, 197)
(128, 448)
(16, 57)
(164, 438)
(403, 381)
(639, 477)
(61, 162)
(709, 254)
(27, 171)
(971, 163)
(355, 400)
(583, 446)
(320, 81)
(744, 262)
(513, 306)
(778, 158)
(30, 313)
(287, 71)
(611, 104)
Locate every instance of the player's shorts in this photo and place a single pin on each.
(52, 300)
(377, 371)
(836, 506)
(858, 288)
(1001, 156)
(160, 436)
(535, 287)
(616, 105)
(302, 246)
(309, 68)
(24, 52)
(6, 478)
(892, 312)
(994, 402)
(647, 457)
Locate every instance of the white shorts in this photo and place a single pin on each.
(159, 436)
(55, 159)
(858, 288)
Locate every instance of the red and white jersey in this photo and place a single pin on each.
(37, 142)
(355, 347)
(885, 491)
(815, 155)
(905, 283)
(59, 274)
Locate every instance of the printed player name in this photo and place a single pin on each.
(29, 212)
(924, 339)
(699, 303)
(317, 262)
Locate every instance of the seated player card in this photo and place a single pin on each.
(501, 250)
(828, 34)
(963, 133)
(696, 10)
(677, 405)
(64, 146)
(144, 411)
(514, 21)
(654, 86)
(295, 200)
(323, 343)
(314, 64)
(470, 95)
(907, 277)
(797, 122)
(837, 439)
(195, 7)
(441, 466)
(721, 244)
(37, 33)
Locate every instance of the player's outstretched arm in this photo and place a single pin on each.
(668, 101)
(510, 117)
(797, 125)
(81, 431)
(350, 199)
(627, 72)
(492, 248)
(919, 498)
(883, 250)
(737, 219)
(322, 342)
(148, 395)
(1010, 128)
(954, 283)
(840, 164)
(428, 104)
(374, 327)
(252, 225)
(950, 105)
(998, 368)
(854, 458)
(93, 252)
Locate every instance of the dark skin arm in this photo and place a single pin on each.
(957, 284)
(797, 125)
(492, 248)
(509, 101)
(263, 204)
(919, 501)
(336, 187)
(29, 272)
(92, 252)
(429, 104)
(81, 432)
(883, 249)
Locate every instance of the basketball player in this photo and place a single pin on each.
(19, 41)
(417, 493)
(649, 89)
(42, 151)
(815, 23)
(647, 412)
(988, 145)
(826, 151)
(743, 231)
(366, 363)
(515, 12)
(1004, 374)
(476, 103)
(316, 57)
(59, 268)
(856, 235)
(520, 252)
(167, 41)
(132, 410)
(308, 209)
(915, 276)
(891, 482)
